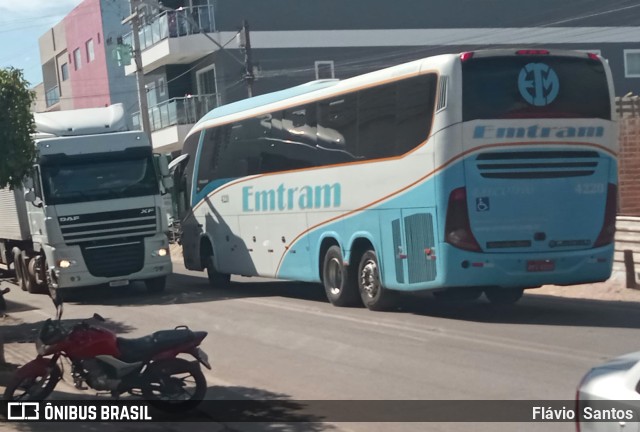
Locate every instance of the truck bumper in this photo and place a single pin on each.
(78, 273)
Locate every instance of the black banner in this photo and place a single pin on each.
(291, 411)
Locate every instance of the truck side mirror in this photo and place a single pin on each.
(30, 196)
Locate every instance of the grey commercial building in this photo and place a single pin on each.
(296, 41)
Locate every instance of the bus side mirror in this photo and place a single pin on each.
(163, 167)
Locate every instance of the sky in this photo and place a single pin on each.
(22, 22)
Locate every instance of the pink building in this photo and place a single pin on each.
(78, 67)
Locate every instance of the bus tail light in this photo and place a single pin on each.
(608, 231)
(458, 227)
(593, 56)
(466, 56)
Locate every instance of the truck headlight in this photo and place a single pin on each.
(162, 252)
(65, 263)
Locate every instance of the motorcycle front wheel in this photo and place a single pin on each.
(33, 387)
(174, 385)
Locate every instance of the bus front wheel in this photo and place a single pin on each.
(216, 279)
(339, 280)
(374, 295)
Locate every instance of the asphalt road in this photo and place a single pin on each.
(284, 341)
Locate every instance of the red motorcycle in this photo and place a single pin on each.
(148, 367)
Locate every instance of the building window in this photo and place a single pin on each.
(632, 63)
(64, 71)
(77, 60)
(90, 54)
(162, 86)
(325, 70)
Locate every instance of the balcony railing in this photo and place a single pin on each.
(178, 111)
(52, 96)
(170, 24)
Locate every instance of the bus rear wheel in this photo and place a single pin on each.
(339, 281)
(503, 296)
(374, 296)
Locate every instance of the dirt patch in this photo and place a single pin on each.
(612, 290)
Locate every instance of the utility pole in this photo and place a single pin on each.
(134, 18)
(248, 60)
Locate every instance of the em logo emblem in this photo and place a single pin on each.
(538, 84)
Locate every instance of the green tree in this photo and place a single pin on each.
(17, 150)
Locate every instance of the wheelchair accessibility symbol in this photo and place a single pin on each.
(482, 204)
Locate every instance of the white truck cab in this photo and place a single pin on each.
(92, 213)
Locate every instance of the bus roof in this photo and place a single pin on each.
(258, 101)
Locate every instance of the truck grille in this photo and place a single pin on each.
(116, 259)
(112, 243)
(537, 164)
(79, 229)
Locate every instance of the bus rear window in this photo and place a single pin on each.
(534, 87)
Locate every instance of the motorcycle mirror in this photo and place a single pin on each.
(97, 317)
(56, 298)
(59, 311)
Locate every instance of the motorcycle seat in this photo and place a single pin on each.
(140, 349)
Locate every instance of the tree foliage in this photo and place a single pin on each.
(17, 150)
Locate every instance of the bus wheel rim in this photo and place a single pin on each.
(334, 276)
(369, 279)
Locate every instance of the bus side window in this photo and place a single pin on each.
(214, 147)
(377, 121)
(299, 124)
(337, 123)
(416, 99)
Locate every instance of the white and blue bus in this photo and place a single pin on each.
(489, 171)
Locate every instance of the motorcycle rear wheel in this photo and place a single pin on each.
(33, 387)
(174, 385)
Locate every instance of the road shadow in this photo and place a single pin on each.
(186, 289)
(532, 309)
(258, 410)
(14, 307)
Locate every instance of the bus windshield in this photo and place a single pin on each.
(98, 180)
(519, 87)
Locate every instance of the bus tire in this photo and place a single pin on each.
(503, 296)
(339, 281)
(374, 296)
(217, 280)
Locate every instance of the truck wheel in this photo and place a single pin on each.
(340, 282)
(18, 266)
(156, 285)
(216, 279)
(374, 296)
(31, 279)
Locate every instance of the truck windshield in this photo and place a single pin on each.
(98, 180)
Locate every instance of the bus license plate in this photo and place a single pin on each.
(540, 265)
(118, 283)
